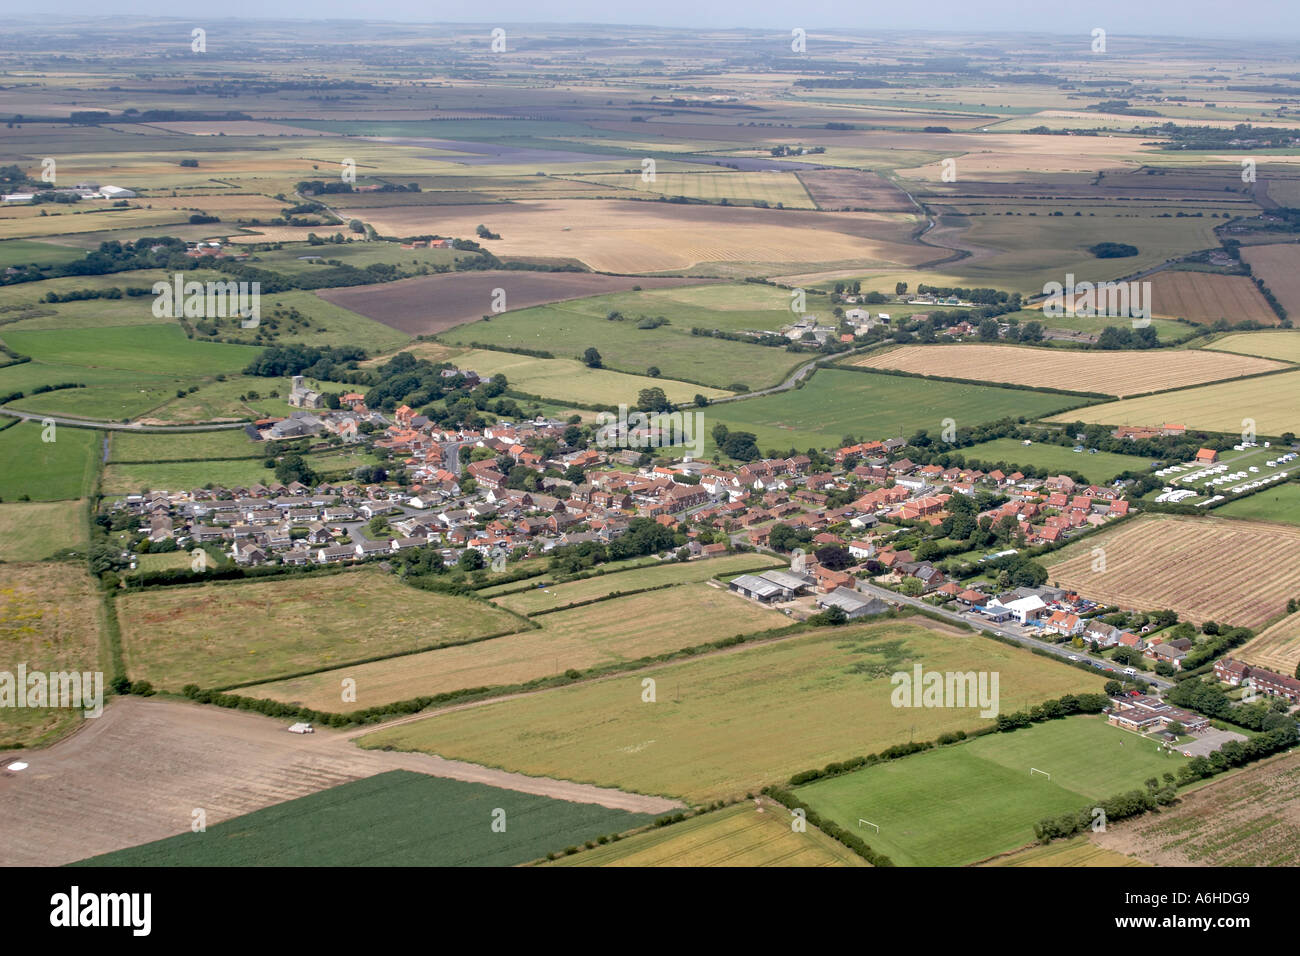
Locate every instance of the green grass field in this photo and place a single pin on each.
(1281, 503)
(607, 634)
(545, 598)
(146, 447)
(121, 479)
(397, 818)
(568, 329)
(47, 471)
(21, 251)
(137, 348)
(1098, 469)
(34, 530)
(735, 721)
(870, 406)
(736, 836)
(220, 634)
(967, 802)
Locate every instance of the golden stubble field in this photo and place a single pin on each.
(1271, 403)
(645, 236)
(1239, 573)
(1113, 373)
(1277, 648)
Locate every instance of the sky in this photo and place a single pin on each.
(1271, 19)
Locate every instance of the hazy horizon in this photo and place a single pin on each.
(1269, 20)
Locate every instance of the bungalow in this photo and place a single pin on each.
(366, 549)
(1206, 456)
(335, 553)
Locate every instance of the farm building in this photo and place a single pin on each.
(1207, 456)
(787, 580)
(852, 604)
(758, 589)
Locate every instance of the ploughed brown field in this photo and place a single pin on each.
(1111, 373)
(1206, 297)
(428, 304)
(1279, 266)
(834, 189)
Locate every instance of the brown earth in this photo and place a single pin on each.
(137, 773)
(428, 304)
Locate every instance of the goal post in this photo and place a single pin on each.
(1034, 770)
(867, 823)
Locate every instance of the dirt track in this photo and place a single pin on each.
(138, 773)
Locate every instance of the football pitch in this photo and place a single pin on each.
(965, 803)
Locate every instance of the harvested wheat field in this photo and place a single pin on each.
(643, 236)
(1113, 373)
(1239, 573)
(1277, 648)
(1250, 818)
(1206, 298)
(1277, 344)
(1272, 402)
(1279, 266)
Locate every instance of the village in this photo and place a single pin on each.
(843, 521)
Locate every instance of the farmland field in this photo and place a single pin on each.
(47, 471)
(145, 447)
(1284, 345)
(568, 329)
(1276, 648)
(736, 188)
(1279, 266)
(1279, 503)
(428, 304)
(215, 635)
(604, 634)
(1076, 851)
(558, 595)
(1272, 402)
(648, 237)
(121, 479)
(735, 721)
(1098, 469)
(397, 818)
(1112, 373)
(50, 620)
(1204, 297)
(32, 531)
(736, 836)
(970, 801)
(1249, 818)
(570, 380)
(1203, 568)
(837, 402)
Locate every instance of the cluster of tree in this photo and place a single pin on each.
(1113, 250)
(1119, 807)
(318, 361)
(81, 295)
(741, 446)
(1122, 337)
(643, 536)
